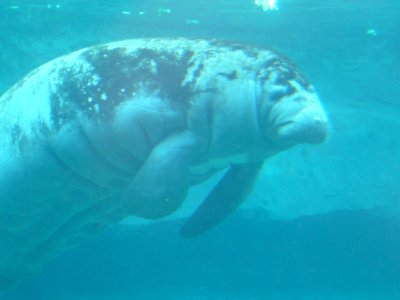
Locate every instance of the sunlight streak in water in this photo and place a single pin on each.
(267, 4)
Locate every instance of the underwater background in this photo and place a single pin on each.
(323, 221)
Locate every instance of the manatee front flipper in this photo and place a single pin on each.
(162, 182)
(226, 196)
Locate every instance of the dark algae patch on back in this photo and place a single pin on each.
(122, 73)
(117, 75)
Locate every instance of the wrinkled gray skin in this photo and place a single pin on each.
(125, 129)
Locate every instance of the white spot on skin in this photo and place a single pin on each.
(90, 99)
(103, 97)
(94, 80)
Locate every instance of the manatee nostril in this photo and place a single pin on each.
(318, 132)
(321, 122)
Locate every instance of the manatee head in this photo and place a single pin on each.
(289, 109)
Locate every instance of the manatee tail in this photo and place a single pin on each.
(222, 201)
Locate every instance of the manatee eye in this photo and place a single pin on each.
(277, 94)
(290, 90)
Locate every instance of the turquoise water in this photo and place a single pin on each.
(323, 221)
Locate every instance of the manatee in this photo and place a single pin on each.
(126, 128)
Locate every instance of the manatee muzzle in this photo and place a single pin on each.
(299, 125)
(303, 128)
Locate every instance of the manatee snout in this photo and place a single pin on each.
(316, 130)
(298, 122)
(309, 127)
